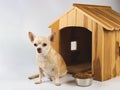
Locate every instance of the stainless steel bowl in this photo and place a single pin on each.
(83, 79)
(83, 82)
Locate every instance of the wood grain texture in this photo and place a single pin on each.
(98, 51)
(104, 23)
(91, 6)
(90, 13)
(107, 59)
(71, 21)
(117, 56)
(103, 15)
(55, 29)
(108, 18)
(94, 45)
(119, 53)
(73, 69)
(80, 18)
(63, 22)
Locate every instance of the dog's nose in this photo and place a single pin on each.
(39, 50)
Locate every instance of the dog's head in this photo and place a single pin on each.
(42, 44)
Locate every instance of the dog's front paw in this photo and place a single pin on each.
(57, 84)
(30, 77)
(52, 78)
(38, 82)
(33, 76)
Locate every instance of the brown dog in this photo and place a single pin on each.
(49, 61)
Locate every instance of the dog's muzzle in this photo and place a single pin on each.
(39, 50)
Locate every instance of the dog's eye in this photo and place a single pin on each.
(44, 44)
(35, 45)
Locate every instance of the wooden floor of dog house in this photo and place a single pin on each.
(84, 67)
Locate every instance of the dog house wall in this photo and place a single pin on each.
(104, 23)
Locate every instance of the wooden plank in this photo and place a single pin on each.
(89, 27)
(113, 15)
(80, 19)
(63, 22)
(60, 17)
(55, 29)
(109, 55)
(117, 57)
(119, 52)
(102, 16)
(88, 12)
(100, 50)
(97, 51)
(112, 54)
(108, 18)
(94, 46)
(107, 63)
(85, 21)
(91, 6)
(71, 21)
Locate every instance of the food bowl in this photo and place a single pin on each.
(83, 79)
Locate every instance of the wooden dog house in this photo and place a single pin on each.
(89, 36)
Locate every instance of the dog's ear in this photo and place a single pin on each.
(31, 36)
(51, 37)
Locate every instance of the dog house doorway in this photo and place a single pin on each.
(76, 48)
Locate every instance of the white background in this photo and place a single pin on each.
(17, 17)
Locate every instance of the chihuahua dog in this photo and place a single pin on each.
(49, 61)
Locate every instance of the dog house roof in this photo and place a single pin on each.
(103, 15)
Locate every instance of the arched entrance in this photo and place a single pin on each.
(76, 48)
